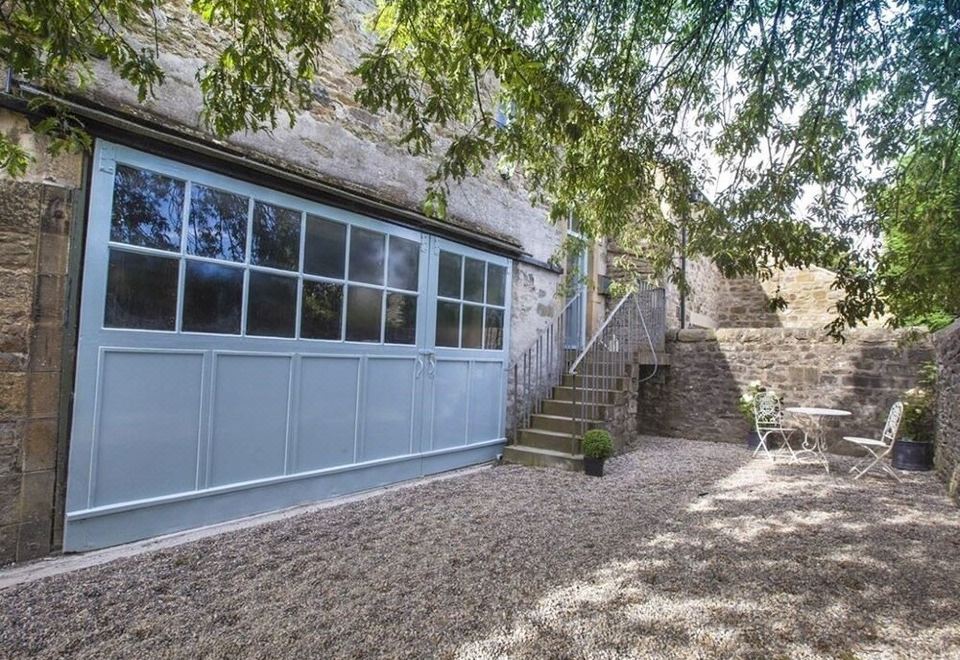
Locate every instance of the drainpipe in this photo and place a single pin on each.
(683, 272)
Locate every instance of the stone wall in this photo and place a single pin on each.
(947, 342)
(35, 219)
(709, 370)
(745, 302)
(336, 141)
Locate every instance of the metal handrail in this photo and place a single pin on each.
(611, 352)
(536, 371)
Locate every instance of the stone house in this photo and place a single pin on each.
(193, 330)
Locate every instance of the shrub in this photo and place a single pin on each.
(919, 406)
(745, 402)
(597, 444)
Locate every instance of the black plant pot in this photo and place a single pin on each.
(911, 455)
(593, 466)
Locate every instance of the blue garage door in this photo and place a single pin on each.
(243, 350)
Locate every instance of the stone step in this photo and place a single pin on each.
(564, 393)
(605, 382)
(566, 408)
(555, 440)
(536, 457)
(559, 423)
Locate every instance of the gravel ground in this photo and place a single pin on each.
(685, 549)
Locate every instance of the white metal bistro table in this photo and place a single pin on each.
(817, 445)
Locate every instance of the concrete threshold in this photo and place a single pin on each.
(38, 569)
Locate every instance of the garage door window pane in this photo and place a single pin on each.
(496, 284)
(322, 310)
(449, 276)
(401, 321)
(141, 291)
(147, 209)
(363, 313)
(473, 270)
(271, 305)
(472, 326)
(494, 333)
(276, 237)
(448, 324)
(218, 224)
(367, 256)
(404, 264)
(325, 247)
(212, 296)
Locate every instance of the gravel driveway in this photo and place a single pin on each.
(684, 549)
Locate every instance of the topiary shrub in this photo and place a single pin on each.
(597, 444)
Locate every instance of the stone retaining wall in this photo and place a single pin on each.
(709, 370)
(947, 342)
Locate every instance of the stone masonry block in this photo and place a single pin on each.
(13, 395)
(34, 539)
(9, 499)
(44, 393)
(8, 543)
(36, 495)
(46, 344)
(40, 445)
(56, 208)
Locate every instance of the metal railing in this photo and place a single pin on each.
(637, 322)
(541, 367)
(636, 326)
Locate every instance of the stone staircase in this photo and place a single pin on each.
(551, 439)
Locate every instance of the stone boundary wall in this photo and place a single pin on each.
(697, 396)
(947, 342)
(809, 293)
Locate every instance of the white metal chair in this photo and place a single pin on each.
(768, 419)
(877, 450)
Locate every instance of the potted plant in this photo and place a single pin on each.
(597, 447)
(913, 450)
(745, 406)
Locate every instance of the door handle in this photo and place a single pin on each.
(418, 370)
(431, 364)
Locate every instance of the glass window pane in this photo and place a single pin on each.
(496, 284)
(401, 322)
(404, 264)
(367, 252)
(448, 324)
(325, 248)
(322, 310)
(218, 223)
(212, 296)
(472, 326)
(473, 270)
(449, 276)
(271, 305)
(276, 237)
(494, 331)
(363, 313)
(141, 291)
(147, 209)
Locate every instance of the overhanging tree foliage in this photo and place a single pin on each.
(615, 110)
(919, 268)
